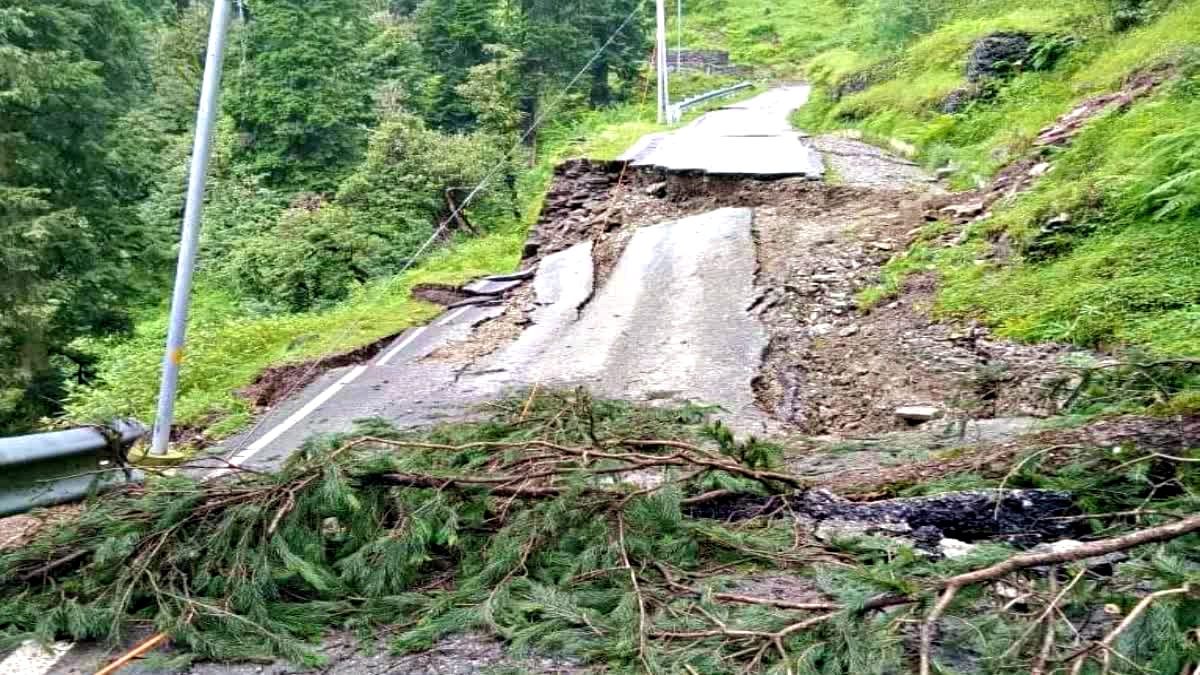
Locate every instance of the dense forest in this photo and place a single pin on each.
(350, 130)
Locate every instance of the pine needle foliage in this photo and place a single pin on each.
(420, 535)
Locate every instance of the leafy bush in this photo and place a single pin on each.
(315, 252)
(897, 22)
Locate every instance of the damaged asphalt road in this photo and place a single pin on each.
(669, 322)
(649, 294)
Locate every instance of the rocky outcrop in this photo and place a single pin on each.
(957, 100)
(851, 84)
(997, 55)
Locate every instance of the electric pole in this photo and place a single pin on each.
(201, 151)
(678, 36)
(661, 62)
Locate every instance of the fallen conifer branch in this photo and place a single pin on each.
(519, 526)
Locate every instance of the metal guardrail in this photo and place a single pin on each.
(675, 112)
(64, 466)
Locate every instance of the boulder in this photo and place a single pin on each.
(996, 55)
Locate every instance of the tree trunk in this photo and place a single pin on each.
(33, 352)
(600, 95)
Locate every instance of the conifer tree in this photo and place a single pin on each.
(70, 247)
(299, 94)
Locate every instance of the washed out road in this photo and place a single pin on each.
(670, 322)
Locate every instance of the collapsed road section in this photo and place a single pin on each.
(669, 324)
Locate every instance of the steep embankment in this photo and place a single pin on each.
(1087, 233)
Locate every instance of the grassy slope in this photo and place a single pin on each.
(762, 32)
(1126, 275)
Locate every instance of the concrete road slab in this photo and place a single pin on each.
(754, 138)
(669, 324)
(334, 401)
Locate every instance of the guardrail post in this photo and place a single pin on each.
(64, 466)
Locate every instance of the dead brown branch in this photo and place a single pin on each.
(1048, 617)
(929, 628)
(637, 591)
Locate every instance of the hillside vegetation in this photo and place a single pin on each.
(348, 131)
(1125, 270)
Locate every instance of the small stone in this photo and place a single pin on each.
(1060, 219)
(918, 413)
(954, 549)
(657, 189)
(964, 210)
(821, 329)
(1040, 169)
(947, 171)
(883, 245)
(848, 331)
(1068, 545)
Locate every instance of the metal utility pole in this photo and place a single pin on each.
(678, 36)
(661, 62)
(201, 150)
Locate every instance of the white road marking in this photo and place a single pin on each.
(291, 421)
(32, 659)
(383, 360)
(453, 315)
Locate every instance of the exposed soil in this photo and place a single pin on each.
(830, 368)
(491, 335)
(275, 384)
(440, 294)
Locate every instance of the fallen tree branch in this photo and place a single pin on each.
(1107, 643)
(929, 628)
(637, 591)
(1093, 549)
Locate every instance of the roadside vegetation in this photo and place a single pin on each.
(1103, 251)
(350, 132)
(512, 527)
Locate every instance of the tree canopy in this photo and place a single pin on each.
(348, 130)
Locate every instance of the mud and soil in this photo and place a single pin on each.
(830, 368)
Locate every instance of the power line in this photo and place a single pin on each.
(457, 210)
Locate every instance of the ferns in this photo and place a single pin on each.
(1170, 187)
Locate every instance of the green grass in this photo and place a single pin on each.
(1177, 30)
(778, 35)
(227, 349)
(1123, 275)
(1126, 272)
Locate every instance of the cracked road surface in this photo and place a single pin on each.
(752, 138)
(670, 323)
